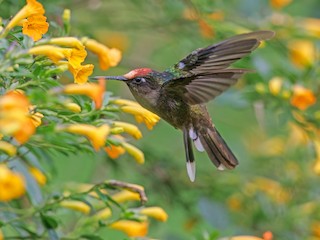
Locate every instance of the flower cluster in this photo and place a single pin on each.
(39, 114)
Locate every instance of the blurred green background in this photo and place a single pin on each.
(270, 188)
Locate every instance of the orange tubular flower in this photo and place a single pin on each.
(92, 90)
(32, 8)
(108, 57)
(278, 4)
(15, 117)
(302, 98)
(114, 151)
(12, 184)
(35, 26)
(96, 135)
(131, 228)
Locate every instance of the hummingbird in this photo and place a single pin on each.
(178, 94)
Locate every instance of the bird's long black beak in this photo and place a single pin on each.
(119, 78)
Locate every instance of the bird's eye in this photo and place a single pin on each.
(139, 80)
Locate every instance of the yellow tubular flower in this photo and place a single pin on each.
(302, 98)
(40, 178)
(1, 235)
(76, 57)
(35, 26)
(275, 85)
(103, 214)
(125, 102)
(129, 128)
(316, 167)
(93, 90)
(73, 107)
(311, 25)
(12, 184)
(125, 195)
(32, 8)
(81, 72)
(155, 212)
(245, 238)
(142, 115)
(96, 135)
(71, 42)
(108, 57)
(8, 148)
(302, 53)
(136, 153)
(131, 228)
(66, 15)
(76, 205)
(52, 52)
(114, 151)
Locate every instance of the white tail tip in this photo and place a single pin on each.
(191, 169)
(221, 167)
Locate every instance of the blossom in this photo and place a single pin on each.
(128, 128)
(267, 235)
(131, 228)
(302, 97)
(8, 148)
(81, 72)
(245, 238)
(275, 85)
(278, 4)
(108, 57)
(40, 178)
(141, 114)
(103, 214)
(302, 53)
(32, 8)
(155, 212)
(96, 135)
(73, 107)
(12, 184)
(205, 29)
(136, 153)
(16, 117)
(75, 57)
(76, 205)
(125, 195)
(93, 90)
(35, 26)
(114, 151)
(311, 25)
(53, 52)
(316, 167)
(70, 42)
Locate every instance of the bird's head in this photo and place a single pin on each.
(142, 82)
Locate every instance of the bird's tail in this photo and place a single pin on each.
(207, 139)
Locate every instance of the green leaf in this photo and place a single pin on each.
(91, 237)
(48, 221)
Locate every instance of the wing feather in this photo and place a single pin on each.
(204, 73)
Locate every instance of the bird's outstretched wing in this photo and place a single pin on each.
(204, 74)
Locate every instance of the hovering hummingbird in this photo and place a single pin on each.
(178, 94)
